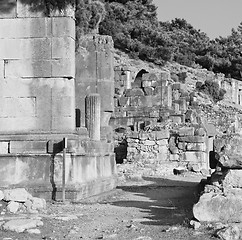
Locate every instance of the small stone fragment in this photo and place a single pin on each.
(13, 206)
(66, 217)
(34, 231)
(20, 225)
(195, 224)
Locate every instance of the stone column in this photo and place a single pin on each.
(128, 80)
(93, 116)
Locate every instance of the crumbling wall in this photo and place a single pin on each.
(189, 146)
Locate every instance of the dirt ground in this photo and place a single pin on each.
(152, 209)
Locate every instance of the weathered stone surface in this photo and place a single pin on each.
(229, 151)
(134, 92)
(34, 231)
(192, 139)
(28, 68)
(194, 156)
(162, 142)
(231, 232)
(13, 206)
(63, 47)
(233, 179)
(4, 147)
(186, 131)
(35, 48)
(191, 116)
(200, 132)
(173, 145)
(63, 67)
(38, 203)
(149, 143)
(162, 134)
(196, 147)
(20, 225)
(210, 129)
(17, 194)
(63, 27)
(148, 91)
(218, 208)
(28, 147)
(174, 157)
(25, 28)
(1, 195)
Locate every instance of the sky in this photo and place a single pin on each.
(214, 17)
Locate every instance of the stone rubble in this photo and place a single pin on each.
(19, 201)
(221, 199)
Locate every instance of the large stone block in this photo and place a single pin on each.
(8, 9)
(229, 151)
(11, 125)
(166, 96)
(63, 123)
(232, 179)
(106, 91)
(134, 92)
(28, 68)
(162, 134)
(31, 102)
(186, 131)
(218, 208)
(37, 48)
(25, 28)
(14, 107)
(196, 147)
(63, 47)
(195, 157)
(192, 139)
(63, 68)
(104, 65)
(63, 27)
(4, 147)
(28, 147)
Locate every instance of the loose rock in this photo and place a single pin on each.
(17, 195)
(13, 206)
(20, 225)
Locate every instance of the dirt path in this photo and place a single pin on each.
(148, 210)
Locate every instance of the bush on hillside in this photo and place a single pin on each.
(211, 88)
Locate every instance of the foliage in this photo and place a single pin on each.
(136, 30)
(89, 14)
(211, 88)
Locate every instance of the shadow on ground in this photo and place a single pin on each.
(164, 201)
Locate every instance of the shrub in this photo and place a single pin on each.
(211, 88)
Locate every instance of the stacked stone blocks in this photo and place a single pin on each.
(37, 61)
(187, 146)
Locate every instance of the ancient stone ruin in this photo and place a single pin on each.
(47, 94)
(156, 122)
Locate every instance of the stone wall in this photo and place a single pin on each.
(37, 66)
(189, 146)
(95, 73)
(157, 121)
